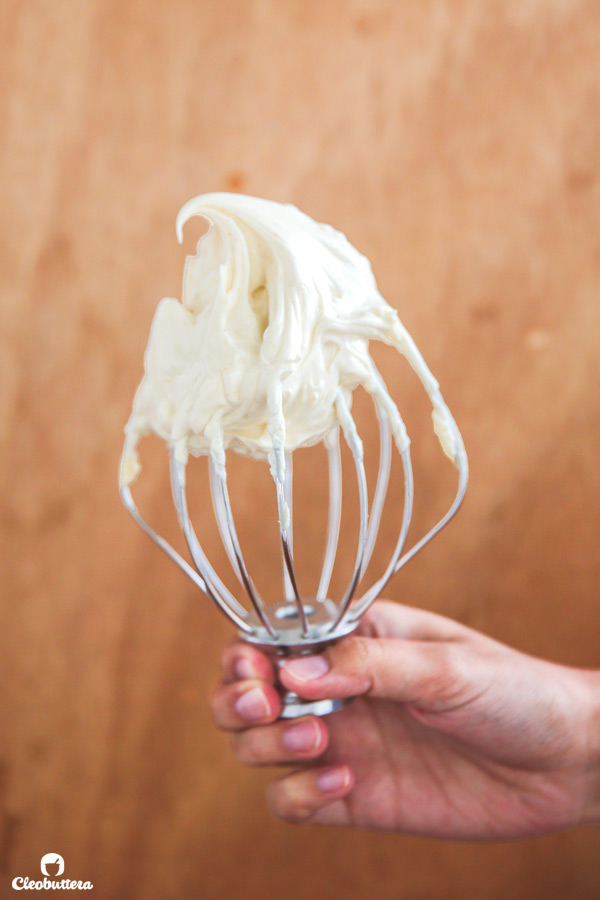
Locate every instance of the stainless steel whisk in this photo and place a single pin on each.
(296, 625)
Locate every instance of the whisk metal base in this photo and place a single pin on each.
(295, 706)
(291, 643)
(289, 639)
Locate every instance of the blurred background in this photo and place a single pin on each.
(456, 143)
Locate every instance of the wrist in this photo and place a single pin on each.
(591, 813)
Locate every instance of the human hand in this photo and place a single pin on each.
(451, 735)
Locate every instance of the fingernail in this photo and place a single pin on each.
(301, 737)
(307, 668)
(252, 705)
(244, 669)
(332, 780)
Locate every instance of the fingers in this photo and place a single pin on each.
(393, 620)
(245, 703)
(302, 795)
(398, 652)
(281, 743)
(421, 672)
(246, 695)
(242, 662)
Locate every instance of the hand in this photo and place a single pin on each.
(452, 734)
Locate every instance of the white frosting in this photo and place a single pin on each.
(274, 326)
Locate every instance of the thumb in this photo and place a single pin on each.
(405, 671)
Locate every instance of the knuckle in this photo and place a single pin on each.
(354, 650)
(215, 696)
(284, 808)
(298, 815)
(219, 706)
(246, 748)
(217, 717)
(233, 650)
(369, 621)
(375, 622)
(443, 676)
(363, 648)
(215, 692)
(229, 651)
(354, 659)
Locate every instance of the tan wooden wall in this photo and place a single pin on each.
(458, 146)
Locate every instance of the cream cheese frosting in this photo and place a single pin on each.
(269, 341)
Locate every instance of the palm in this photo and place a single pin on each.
(412, 777)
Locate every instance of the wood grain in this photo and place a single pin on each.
(456, 143)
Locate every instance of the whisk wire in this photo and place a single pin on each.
(245, 576)
(462, 486)
(289, 564)
(221, 519)
(164, 545)
(203, 566)
(355, 444)
(335, 511)
(363, 604)
(383, 477)
(290, 592)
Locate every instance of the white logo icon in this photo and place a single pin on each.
(52, 866)
(55, 862)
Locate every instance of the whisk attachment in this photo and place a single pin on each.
(261, 356)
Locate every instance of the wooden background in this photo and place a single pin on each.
(457, 143)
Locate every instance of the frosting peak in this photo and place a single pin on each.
(273, 329)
